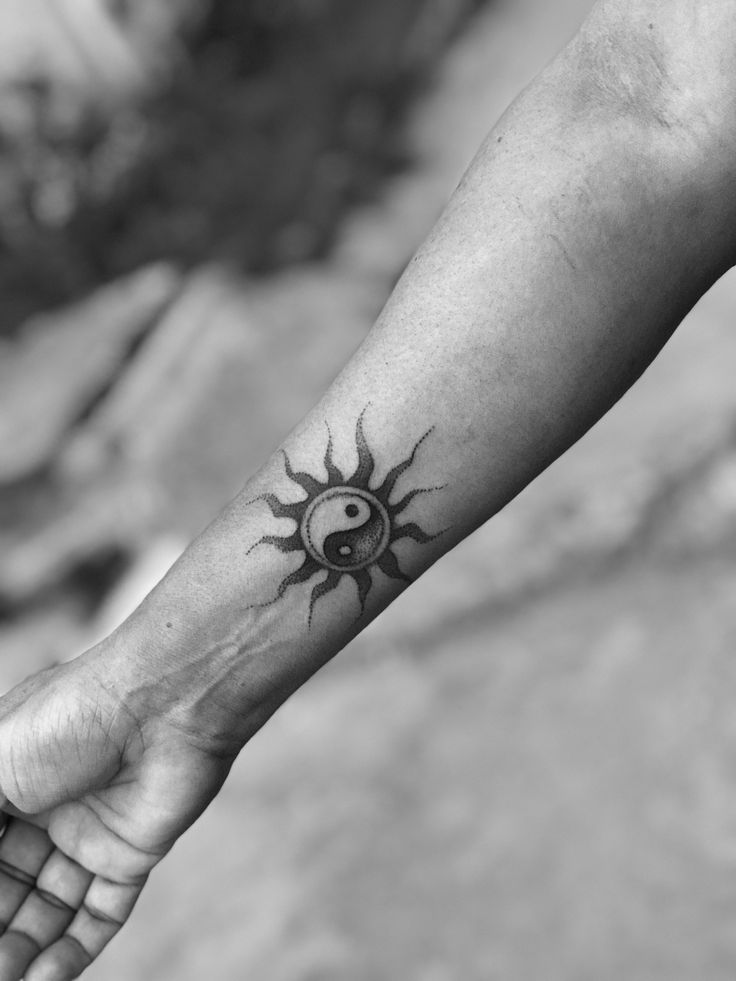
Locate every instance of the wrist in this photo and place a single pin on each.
(191, 681)
(200, 655)
(243, 618)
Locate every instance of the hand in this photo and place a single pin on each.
(96, 796)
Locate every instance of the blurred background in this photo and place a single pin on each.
(525, 769)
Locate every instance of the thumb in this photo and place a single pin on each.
(54, 748)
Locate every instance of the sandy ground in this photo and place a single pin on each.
(524, 769)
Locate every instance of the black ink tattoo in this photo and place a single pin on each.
(344, 526)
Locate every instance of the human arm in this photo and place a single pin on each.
(490, 310)
(492, 329)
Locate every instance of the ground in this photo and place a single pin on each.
(525, 768)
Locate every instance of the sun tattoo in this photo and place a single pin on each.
(345, 527)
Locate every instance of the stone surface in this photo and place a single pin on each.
(524, 769)
(64, 515)
(63, 362)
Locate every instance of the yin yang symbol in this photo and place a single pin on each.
(346, 528)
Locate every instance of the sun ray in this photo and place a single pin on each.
(305, 480)
(364, 582)
(278, 508)
(321, 589)
(413, 531)
(305, 571)
(408, 498)
(344, 527)
(383, 492)
(366, 463)
(334, 474)
(284, 543)
(389, 565)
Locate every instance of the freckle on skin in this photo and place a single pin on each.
(169, 625)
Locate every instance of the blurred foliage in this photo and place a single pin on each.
(266, 120)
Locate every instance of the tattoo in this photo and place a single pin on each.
(344, 526)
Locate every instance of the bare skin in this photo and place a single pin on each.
(595, 215)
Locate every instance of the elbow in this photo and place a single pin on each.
(669, 68)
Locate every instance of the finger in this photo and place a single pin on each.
(111, 901)
(63, 880)
(51, 906)
(43, 915)
(105, 908)
(62, 961)
(37, 924)
(17, 950)
(23, 852)
(85, 939)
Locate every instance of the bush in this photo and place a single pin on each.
(271, 118)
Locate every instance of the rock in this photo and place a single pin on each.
(62, 363)
(81, 545)
(228, 371)
(156, 392)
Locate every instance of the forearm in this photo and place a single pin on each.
(574, 246)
